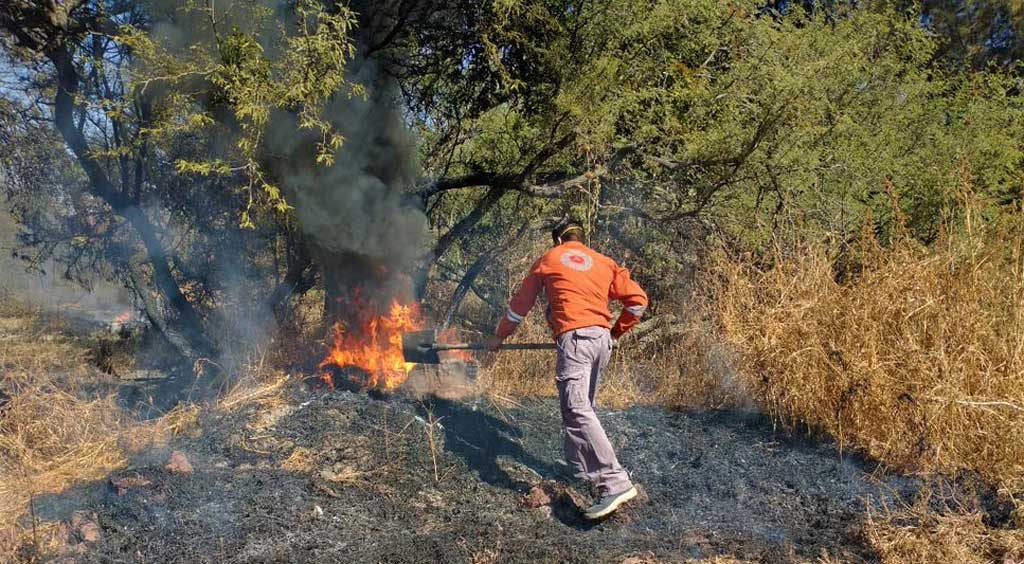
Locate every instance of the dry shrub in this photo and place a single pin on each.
(918, 360)
(518, 374)
(674, 363)
(692, 367)
(52, 439)
(266, 389)
(527, 374)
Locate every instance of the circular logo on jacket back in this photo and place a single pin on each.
(577, 260)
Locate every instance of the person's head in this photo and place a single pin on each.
(567, 231)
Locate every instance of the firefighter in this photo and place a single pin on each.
(579, 282)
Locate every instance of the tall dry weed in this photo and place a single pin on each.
(687, 366)
(522, 374)
(917, 360)
(531, 374)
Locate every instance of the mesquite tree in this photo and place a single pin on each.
(166, 137)
(283, 147)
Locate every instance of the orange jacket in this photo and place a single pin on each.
(579, 282)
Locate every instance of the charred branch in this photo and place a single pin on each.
(463, 226)
(464, 286)
(558, 189)
(486, 180)
(299, 279)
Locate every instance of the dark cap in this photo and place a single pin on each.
(565, 226)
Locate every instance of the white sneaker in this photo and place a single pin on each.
(609, 503)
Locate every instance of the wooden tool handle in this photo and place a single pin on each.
(483, 347)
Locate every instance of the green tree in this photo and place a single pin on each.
(346, 144)
(166, 198)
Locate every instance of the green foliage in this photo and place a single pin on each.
(975, 33)
(659, 122)
(721, 120)
(259, 67)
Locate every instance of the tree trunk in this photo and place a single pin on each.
(191, 328)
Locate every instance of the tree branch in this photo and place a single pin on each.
(478, 266)
(67, 87)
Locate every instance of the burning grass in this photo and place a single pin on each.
(372, 342)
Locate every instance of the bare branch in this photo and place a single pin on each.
(557, 189)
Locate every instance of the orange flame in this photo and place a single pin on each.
(375, 346)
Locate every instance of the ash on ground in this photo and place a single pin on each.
(449, 380)
(345, 477)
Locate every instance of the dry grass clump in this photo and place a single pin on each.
(692, 368)
(918, 360)
(61, 427)
(650, 558)
(27, 343)
(532, 374)
(52, 439)
(266, 389)
(912, 535)
(687, 365)
(527, 374)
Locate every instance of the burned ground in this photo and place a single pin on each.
(343, 477)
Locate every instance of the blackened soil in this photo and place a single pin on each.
(342, 477)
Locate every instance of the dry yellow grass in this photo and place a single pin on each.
(919, 361)
(693, 368)
(523, 374)
(532, 374)
(918, 534)
(55, 432)
(63, 425)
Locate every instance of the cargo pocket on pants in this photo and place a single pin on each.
(574, 393)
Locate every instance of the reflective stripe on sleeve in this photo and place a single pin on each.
(514, 317)
(637, 310)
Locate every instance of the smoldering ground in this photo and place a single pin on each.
(344, 477)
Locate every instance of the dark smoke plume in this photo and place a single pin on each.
(351, 215)
(353, 212)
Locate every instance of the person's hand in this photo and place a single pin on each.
(493, 343)
(615, 343)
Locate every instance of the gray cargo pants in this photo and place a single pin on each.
(582, 355)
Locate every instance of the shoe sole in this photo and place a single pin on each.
(630, 494)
